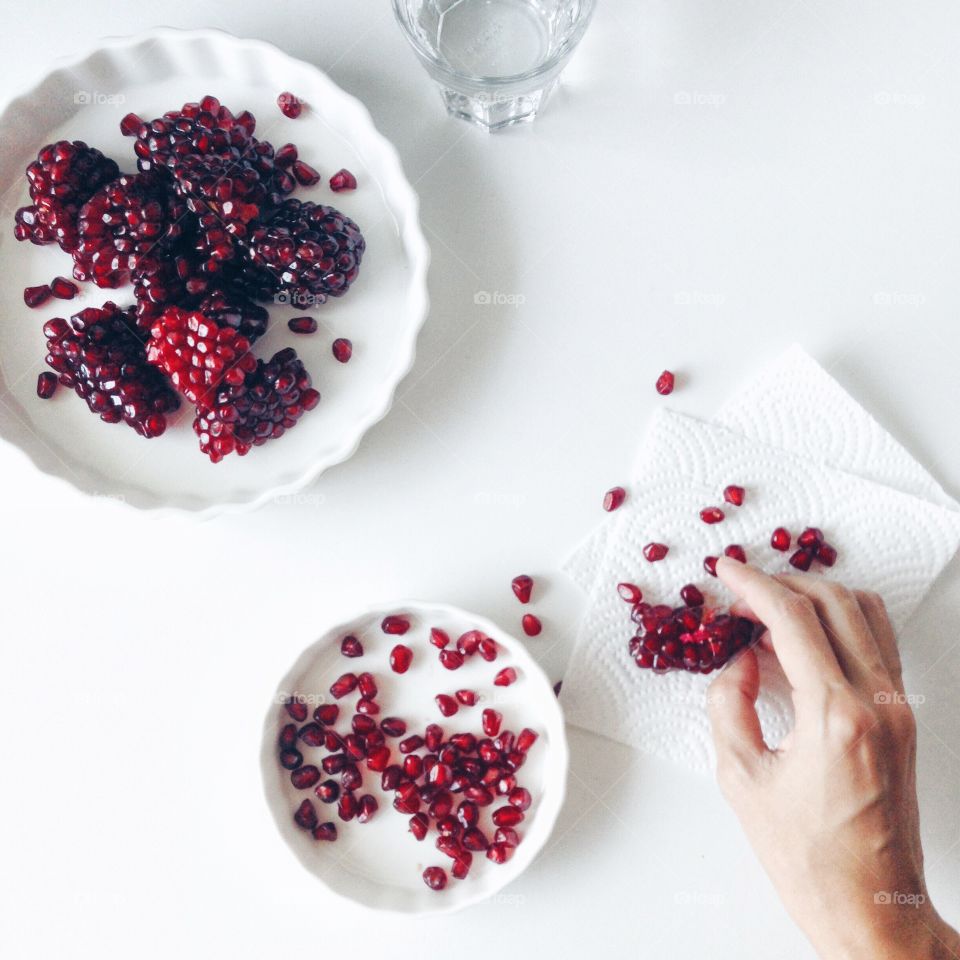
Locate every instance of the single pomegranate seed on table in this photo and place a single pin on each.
(326, 714)
(355, 747)
(395, 625)
(130, 125)
(441, 806)
(734, 494)
(367, 808)
(46, 385)
(439, 638)
(285, 155)
(691, 596)
(613, 499)
(306, 815)
(393, 726)
(802, 559)
(467, 697)
(391, 777)
(419, 824)
(400, 658)
(446, 704)
(367, 685)
(37, 296)
(451, 659)
(449, 827)
(461, 866)
(302, 325)
(655, 551)
(488, 649)
(712, 515)
(367, 706)
(343, 180)
(491, 720)
(344, 684)
(342, 349)
(629, 592)
(505, 677)
(665, 383)
(304, 777)
(305, 175)
(290, 105)
(780, 539)
(522, 587)
(435, 878)
(350, 646)
(736, 552)
(468, 643)
(326, 831)
(710, 565)
(433, 736)
(475, 839)
(328, 791)
(531, 625)
(347, 807)
(826, 554)
(526, 738)
(63, 289)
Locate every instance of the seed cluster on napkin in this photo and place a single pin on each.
(807, 455)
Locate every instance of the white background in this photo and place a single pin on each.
(808, 190)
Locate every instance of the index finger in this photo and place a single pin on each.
(798, 638)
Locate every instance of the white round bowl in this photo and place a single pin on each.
(85, 98)
(380, 864)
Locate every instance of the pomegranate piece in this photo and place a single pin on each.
(351, 778)
(290, 759)
(491, 720)
(347, 807)
(711, 515)
(288, 737)
(439, 638)
(334, 763)
(304, 777)
(312, 735)
(691, 596)
(290, 105)
(305, 175)
(469, 642)
(629, 592)
(520, 798)
(343, 180)
(507, 835)
(433, 737)
(411, 743)
(451, 659)
(326, 831)
(302, 325)
(412, 766)
(367, 808)
(467, 697)
(488, 649)
(393, 726)
(63, 289)
(328, 791)
(378, 759)
(342, 349)
(435, 878)
(826, 554)
(780, 539)
(306, 815)
(710, 565)
(802, 559)
(285, 155)
(526, 738)
(665, 383)
(734, 494)
(344, 684)
(400, 658)
(363, 724)
(811, 538)
(505, 677)
(367, 685)
(419, 824)
(736, 552)
(461, 866)
(326, 714)
(507, 816)
(531, 625)
(655, 551)
(395, 625)
(499, 852)
(297, 708)
(613, 499)
(475, 839)
(46, 385)
(130, 125)
(446, 704)
(522, 586)
(350, 646)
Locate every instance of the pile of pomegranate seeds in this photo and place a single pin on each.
(462, 786)
(812, 546)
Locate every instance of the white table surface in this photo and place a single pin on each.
(808, 190)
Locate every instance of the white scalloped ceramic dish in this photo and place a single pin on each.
(379, 864)
(382, 314)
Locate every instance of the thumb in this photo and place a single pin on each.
(731, 705)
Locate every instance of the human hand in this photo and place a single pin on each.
(832, 813)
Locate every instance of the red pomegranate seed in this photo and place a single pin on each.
(780, 539)
(297, 709)
(499, 852)
(290, 759)
(691, 596)
(412, 766)
(347, 807)
(446, 704)
(367, 706)
(827, 555)
(802, 559)
(46, 385)
(449, 827)
(465, 742)
(488, 649)
(810, 538)
(734, 494)
(522, 587)
(288, 737)
(63, 289)
(306, 175)
(468, 814)
(665, 383)
(467, 697)
(393, 726)
(531, 625)
(507, 835)
(391, 777)
(334, 763)
(395, 626)
(736, 552)
(285, 156)
(655, 551)
(440, 774)
(630, 592)
(526, 738)
(520, 798)
(326, 714)
(302, 325)
(368, 807)
(506, 784)
(37, 296)
(435, 878)
(469, 642)
(400, 658)
(411, 743)
(344, 684)
(711, 515)
(326, 831)
(290, 106)
(306, 815)
(378, 759)
(304, 777)
(342, 349)
(130, 125)
(710, 565)
(439, 638)
(355, 747)
(419, 824)
(312, 735)
(614, 498)
(328, 791)
(367, 685)
(451, 659)
(343, 180)
(491, 720)
(351, 778)
(507, 816)
(433, 736)
(441, 806)
(505, 677)
(474, 839)
(461, 867)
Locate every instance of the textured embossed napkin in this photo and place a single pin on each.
(807, 453)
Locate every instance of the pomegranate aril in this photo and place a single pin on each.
(334, 763)
(461, 867)
(290, 759)
(468, 814)
(629, 592)
(367, 706)
(435, 878)
(449, 827)
(297, 708)
(378, 759)
(302, 325)
(46, 385)
(780, 539)
(37, 296)
(304, 777)
(691, 596)
(312, 734)
(433, 736)
(507, 816)
(290, 105)
(467, 697)
(491, 720)
(414, 742)
(499, 852)
(288, 737)
(285, 155)
(63, 289)
(710, 565)
(400, 658)
(665, 383)
(305, 175)
(328, 791)
(802, 559)
(826, 554)
(351, 778)
(441, 775)
(355, 747)
(367, 808)
(712, 515)
(505, 677)
(736, 552)
(326, 714)
(451, 659)
(343, 180)
(412, 766)
(395, 625)
(522, 587)
(811, 538)
(130, 125)
(474, 839)
(393, 726)
(531, 625)
(391, 777)
(342, 349)
(326, 831)
(520, 798)
(446, 704)
(468, 643)
(347, 807)
(306, 815)
(367, 685)
(655, 551)
(526, 738)
(734, 494)
(344, 684)
(508, 836)
(439, 638)
(613, 498)
(419, 825)
(488, 649)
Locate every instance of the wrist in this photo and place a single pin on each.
(918, 933)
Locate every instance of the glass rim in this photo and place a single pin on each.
(568, 45)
